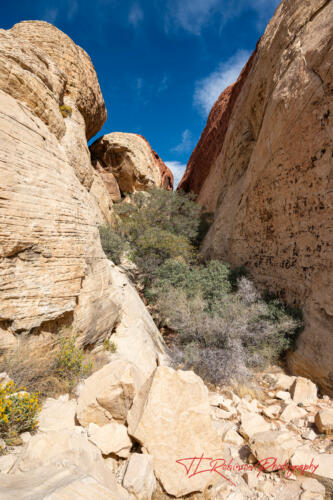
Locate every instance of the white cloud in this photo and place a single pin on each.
(193, 15)
(178, 169)
(135, 15)
(209, 88)
(73, 7)
(190, 15)
(186, 143)
(50, 15)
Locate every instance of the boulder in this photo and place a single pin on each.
(292, 412)
(6, 463)
(111, 438)
(139, 476)
(82, 84)
(283, 381)
(275, 446)
(319, 465)
(252, 424)
(270, 189)
(324, 420)
(57, 483)
(31, 77)
(108, 393)
(65, 448)
(303, 391)
(283, 395)
(312, 485)
(272, 411)
(57, 415)
(170, 417)
(129, 159)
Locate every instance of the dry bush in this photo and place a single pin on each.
(49, 368)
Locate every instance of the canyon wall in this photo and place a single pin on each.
(53, 271)
(264, 167)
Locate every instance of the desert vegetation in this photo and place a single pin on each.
(224, 327)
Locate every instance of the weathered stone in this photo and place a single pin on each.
(6, 463)
(108, 393)
(63, 448)
(170, 417)
(283, 381)
(292, 412)
(57, 483)
(320, 465)
(231, 436)
(283, 395)
(82, 84)
(309, 434)
(57, 415)
(272, 411)
(270, 189)
(139, 477)
(129, 159)
(111, 438)
(252, 423)
(324, 421)
(279, 445)
(109, 180)
(303, 391)
(310, 484)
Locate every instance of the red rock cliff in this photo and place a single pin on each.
(212, 137)
(264, 167)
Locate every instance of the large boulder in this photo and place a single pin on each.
(108, 394)
(264, 167)
(57, 483)
(33, 78)
(111, 438)
(273, 448)
(82, 84)
(130, 159)
(66, 448)
(170, 417)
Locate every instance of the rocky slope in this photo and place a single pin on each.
(264, 167)
(170, 437)
(130, 159)
(53, 270)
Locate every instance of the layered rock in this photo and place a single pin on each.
(270, 176)
(82, 84)
(131, 160)
(53, 270)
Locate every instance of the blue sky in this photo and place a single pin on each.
(161, 64)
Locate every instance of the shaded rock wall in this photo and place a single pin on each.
(271, 184)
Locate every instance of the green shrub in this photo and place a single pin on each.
(70, 361)
(224, 326)
(18, 410)
(114, 244)
(110, 346)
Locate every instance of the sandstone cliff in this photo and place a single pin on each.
(53, 271)
(130, 159)
(264, 167)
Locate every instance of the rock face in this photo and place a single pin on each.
(82, 84)
(170, 417)
(166, 174)
(130, 159)
(52, 200)
(269, 179)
